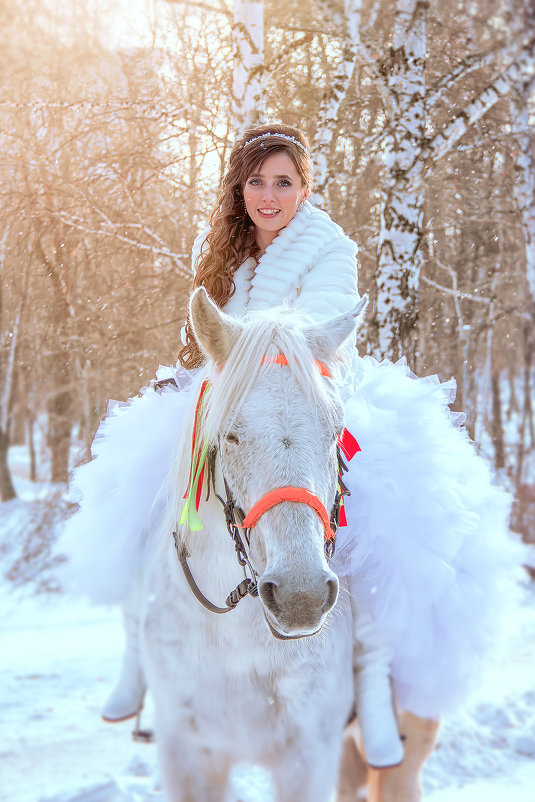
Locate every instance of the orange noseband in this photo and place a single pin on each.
(297, 494)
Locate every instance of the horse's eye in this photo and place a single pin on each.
(232, 438)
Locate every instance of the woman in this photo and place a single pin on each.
(426, 543)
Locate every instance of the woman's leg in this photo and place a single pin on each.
(402, 783)
(396, 784)
(353, 776)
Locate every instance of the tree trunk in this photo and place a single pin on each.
(399, 256)
(59, 435)
(248, 45)
(524, 184)
(31, 449)
(497, 420)
(7, 491)
(526, 422)
(59, 365)
(327, 123)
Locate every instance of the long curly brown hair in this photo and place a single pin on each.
(231, 239)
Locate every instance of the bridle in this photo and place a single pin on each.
(239, 525)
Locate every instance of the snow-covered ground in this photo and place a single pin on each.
(59, 658)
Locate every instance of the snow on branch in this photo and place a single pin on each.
(442, 143)
(458, 294)
(185, 269)
(473, 61)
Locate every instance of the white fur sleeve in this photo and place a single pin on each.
(330, 286)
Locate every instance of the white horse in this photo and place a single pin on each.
(270, 682)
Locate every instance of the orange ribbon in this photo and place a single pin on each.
(281, 359)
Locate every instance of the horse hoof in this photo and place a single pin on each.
(143, 736)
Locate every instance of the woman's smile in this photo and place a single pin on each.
(272, 197)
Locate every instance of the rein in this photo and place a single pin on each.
(248, 586)
(300, 495)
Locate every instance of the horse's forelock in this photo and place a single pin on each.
(265, 335)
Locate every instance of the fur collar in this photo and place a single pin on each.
(280, 271)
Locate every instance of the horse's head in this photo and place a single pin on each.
(276, 426)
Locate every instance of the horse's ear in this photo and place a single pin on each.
(326, 338)
(215, 332)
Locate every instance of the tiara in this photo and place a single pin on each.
(281, 136)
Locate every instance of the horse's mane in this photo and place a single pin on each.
(264, 334)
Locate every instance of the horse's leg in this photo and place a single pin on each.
(402, 783)
(306, 771)
(313, 785)
(192, 775)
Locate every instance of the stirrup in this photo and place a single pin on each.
(140, 735)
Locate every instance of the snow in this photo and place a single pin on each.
(59, 658)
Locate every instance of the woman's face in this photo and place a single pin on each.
(273, 194)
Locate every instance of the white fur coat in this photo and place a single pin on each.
(311, 265)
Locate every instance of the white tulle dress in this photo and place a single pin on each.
(427, 544)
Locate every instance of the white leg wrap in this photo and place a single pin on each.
(373, 694)
(126, 698)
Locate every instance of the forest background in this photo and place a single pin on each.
(116, 121)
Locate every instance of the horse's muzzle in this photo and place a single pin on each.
(297, 612)
(280, 636)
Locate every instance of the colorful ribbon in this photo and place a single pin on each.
(199, 452)
(349, 447)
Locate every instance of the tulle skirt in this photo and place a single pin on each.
(119, 490)
(426, 547)
(427, 543)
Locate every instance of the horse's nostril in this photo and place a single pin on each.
(331, 594)
(268, 594)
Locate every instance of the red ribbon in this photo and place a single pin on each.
(348, 444)
(349, 447)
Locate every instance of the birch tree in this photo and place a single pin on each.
(347, 22)
(11, 321)
(399, 255)
(524, 167)
(409, 152)
(248, 101)
(525, 193)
